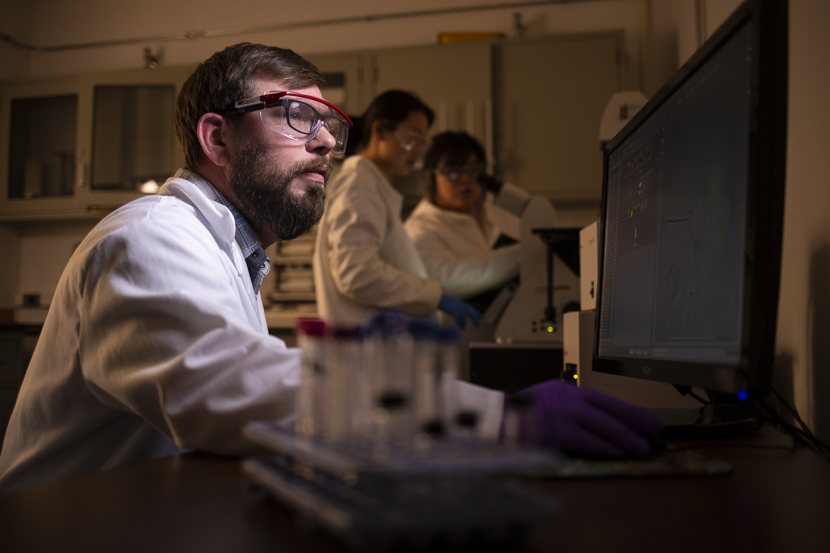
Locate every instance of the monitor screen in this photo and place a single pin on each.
(685, 192)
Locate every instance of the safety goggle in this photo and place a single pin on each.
(455, 172)
(297, 116)
(412, 141)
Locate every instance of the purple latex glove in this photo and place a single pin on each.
(584, 421)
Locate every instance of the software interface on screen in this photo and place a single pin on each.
(676, 203)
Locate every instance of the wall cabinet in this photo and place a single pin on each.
(346, 79)
(38, 145)
(550, 96)
(455, 80)
(71, 148)
(126, 138)
(534, 103)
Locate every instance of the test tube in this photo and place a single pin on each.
(380, 350)
(446, 370)
(345, 409)
(390, 361)
(424, 363)
(518, 420)
(467, 422)
(311, 340)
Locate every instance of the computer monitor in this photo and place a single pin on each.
(692, 213)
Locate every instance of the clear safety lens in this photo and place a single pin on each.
(299, 120)
(455, 172)
(410, 142)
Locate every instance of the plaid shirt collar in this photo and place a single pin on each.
(258, 263)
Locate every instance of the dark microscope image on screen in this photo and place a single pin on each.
(703, 205)
(673, 273)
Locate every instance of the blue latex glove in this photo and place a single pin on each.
(584, 421)
(460, 310)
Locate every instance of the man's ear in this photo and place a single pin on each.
(212, 133)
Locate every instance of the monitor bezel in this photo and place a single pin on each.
(765, 206)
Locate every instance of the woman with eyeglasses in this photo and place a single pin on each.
(456, 228)
(364, 261)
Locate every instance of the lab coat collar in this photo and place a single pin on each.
(256, 260)
(220, 220)
(221, 224)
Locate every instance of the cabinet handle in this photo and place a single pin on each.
(80, 174)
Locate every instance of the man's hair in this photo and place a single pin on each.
(453, 148)
(228, 76)
(391, 108)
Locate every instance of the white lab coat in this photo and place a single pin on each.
(155, 342)
(457, 253)
(363, 259)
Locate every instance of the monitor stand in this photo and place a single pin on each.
(720, 419)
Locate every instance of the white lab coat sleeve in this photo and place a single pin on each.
(357, 224)
(472, 274)
(469, 274)
(163, 336)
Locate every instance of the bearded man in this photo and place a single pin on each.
(156, 341)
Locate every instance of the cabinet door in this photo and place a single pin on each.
(550, 94)
(346, 86)
(38, 124)
(454, 80)
(126, 139)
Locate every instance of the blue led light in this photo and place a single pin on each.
(742, 395)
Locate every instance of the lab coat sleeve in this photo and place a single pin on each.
(163, 336)
(356, 232)
(467, 275)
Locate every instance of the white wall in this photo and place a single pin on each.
(61, 22)
(16, 21)
(804, 313)
(664, 21)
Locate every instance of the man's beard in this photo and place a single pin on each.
(265, 195)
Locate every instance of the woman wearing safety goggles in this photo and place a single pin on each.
(456, 229)
(364, 262)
